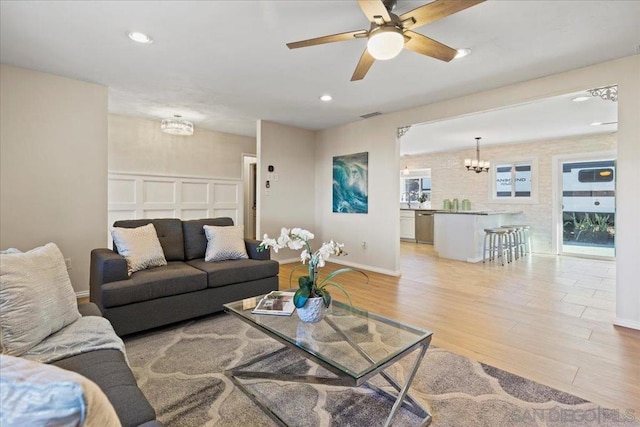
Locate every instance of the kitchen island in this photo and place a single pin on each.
(459, 234)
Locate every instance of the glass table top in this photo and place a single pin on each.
(353, 341)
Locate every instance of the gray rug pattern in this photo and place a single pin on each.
(180, 370)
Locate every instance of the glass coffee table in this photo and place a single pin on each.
(353, 344)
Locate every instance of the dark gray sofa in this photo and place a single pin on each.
(109, 370)
(185, 288)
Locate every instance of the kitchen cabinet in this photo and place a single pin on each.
(407, 225)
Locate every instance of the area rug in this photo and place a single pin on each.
(180, 370)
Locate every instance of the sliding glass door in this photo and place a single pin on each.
(588, 207)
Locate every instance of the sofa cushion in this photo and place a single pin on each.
(224, 243)
(109, 370)
(195, 241)
(222, 273)
(36, 394)
(172, 279)
(36, 298)
(139, 246)
(169, 232)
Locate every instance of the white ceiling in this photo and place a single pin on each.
(224, 64)
(556, 117)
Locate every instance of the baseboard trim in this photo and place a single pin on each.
(350, 264)
(288, 260)
(367, 267)
(82, 294)
(632, 324)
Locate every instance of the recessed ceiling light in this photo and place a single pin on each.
(462, 53)
(140, 37)
(326, 98)
(581, 98)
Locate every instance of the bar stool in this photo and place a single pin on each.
(524, 236)
(516, 240)
(496, 244)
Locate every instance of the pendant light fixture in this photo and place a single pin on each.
(476, 165)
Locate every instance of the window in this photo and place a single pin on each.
(412, 188)
(513, 181)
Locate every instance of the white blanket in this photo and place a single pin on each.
(88, 333)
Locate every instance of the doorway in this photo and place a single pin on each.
(250, 200)
(588, 200)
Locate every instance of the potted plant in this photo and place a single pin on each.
(422, 198)
(312, 297)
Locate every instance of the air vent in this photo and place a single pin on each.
(369, 115)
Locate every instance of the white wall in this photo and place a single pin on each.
(378, 136)
(290, 200)
(379, 228)
(449, 178)
(53, 170)
(139, 146)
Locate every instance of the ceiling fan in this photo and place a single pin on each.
(390, 33)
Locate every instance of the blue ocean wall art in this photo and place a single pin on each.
(350, 183)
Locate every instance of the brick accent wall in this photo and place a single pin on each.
(450, 179)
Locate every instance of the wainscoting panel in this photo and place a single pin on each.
(133, 196)
(195, 192)
(159, 191)
(226, 193)
(122, 191)
(195, 213)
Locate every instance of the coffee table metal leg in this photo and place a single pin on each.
(416, 407)
(402, 393)
(256, 400)
(402, 398)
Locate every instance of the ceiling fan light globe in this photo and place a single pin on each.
(385, 43)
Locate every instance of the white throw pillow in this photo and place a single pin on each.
(224, 243)
(140, 246)
(36, 298)
(35, 394)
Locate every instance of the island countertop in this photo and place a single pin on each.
(480, 212)
(460, 234)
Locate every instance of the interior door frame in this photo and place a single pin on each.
(556, 191)
(247, 160)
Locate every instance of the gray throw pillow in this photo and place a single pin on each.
(36, 298)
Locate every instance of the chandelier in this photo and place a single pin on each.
(177, 126)
(476, 164)
(608, 93)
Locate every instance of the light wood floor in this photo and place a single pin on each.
(543, 317)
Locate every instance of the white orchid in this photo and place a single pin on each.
(269, 243)
(298, 238)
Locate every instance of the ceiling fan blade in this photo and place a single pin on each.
(426, 46)
(366, 61)
(328, 39)
(436, 10)
(373, 8)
